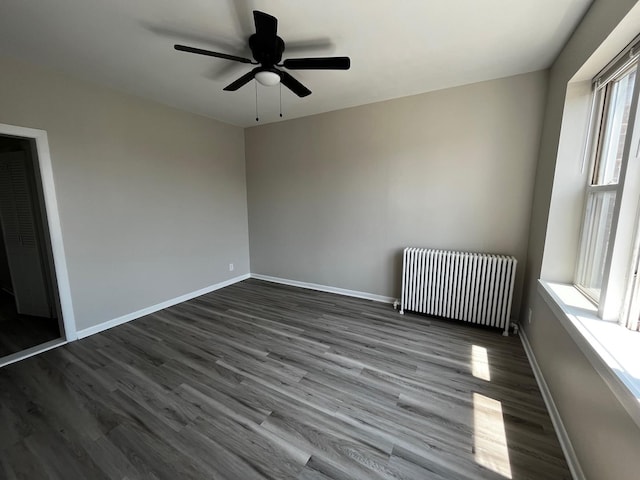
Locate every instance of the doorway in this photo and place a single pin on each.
(29, 308)
(32, 309)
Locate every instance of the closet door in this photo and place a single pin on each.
(20, 237)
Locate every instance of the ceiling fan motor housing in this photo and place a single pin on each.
(266, 50)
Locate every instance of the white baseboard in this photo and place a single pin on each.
(30, 352)
(325, 288)
(563, 436)
(183, 298)
(154, 308)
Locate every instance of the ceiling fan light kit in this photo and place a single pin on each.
(267, 49)
(267, 78)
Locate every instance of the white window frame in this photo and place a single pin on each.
(619, 286)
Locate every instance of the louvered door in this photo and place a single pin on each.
(21, 238)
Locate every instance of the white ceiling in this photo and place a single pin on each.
(397, 47)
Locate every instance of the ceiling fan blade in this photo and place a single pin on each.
(266, 25)
(294, 85)
(241, 82)
(318, 63)
(199, 51)
(305, 47)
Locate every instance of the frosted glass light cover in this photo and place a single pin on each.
(268, 79)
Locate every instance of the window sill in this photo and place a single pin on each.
(610, 348)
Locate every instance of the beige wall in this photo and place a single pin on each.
(604, 436)
(152, 200)
(333, 198)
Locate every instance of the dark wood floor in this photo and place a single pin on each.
(260, 380)
(19, 332)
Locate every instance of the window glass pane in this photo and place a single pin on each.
(631, 312)
(595, 241)
(611, 142)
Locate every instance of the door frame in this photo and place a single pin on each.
(53, 222)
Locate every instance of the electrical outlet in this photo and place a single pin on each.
(530, 313)
(231, 267)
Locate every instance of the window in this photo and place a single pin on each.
(609, 256)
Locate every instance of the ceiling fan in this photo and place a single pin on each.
(267, 49)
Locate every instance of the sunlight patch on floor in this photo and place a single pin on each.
(480, 363)
(490, 439)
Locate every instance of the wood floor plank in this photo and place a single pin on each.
(265, 381)
(112, 461)
(17, 463)
(253, 447)
(63, 457)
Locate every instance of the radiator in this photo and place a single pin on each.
(472, 287)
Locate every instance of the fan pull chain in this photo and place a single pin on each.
(256, 84)
(280, 99)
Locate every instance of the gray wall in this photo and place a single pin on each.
(333, 198)
(604, 436)
(152, 200)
